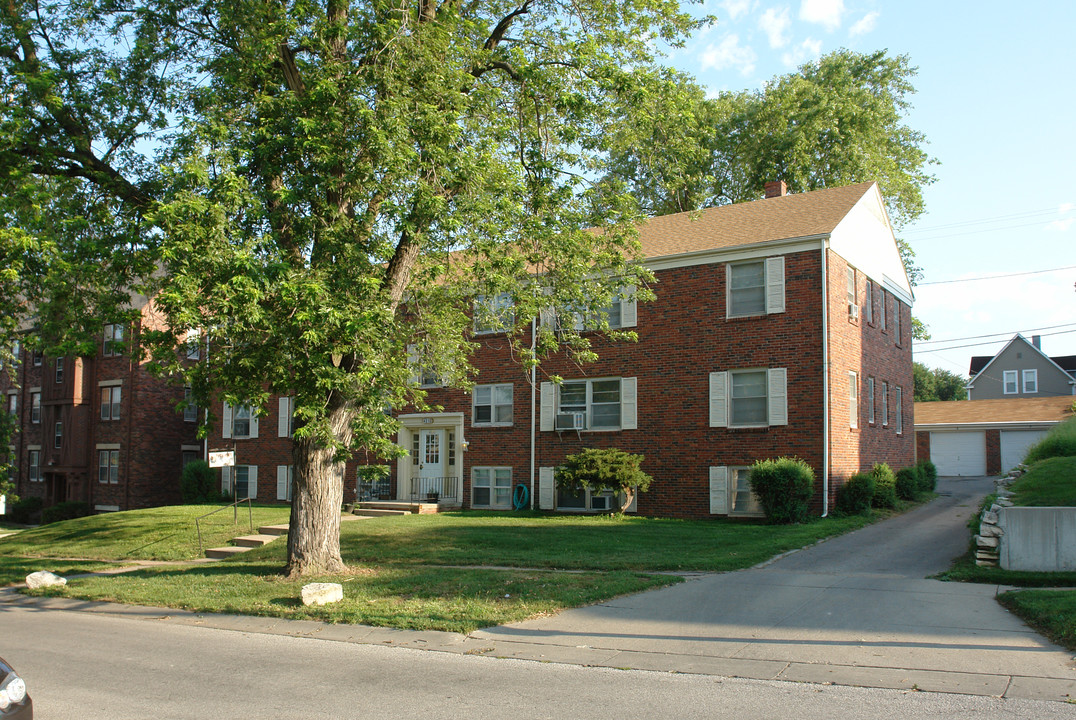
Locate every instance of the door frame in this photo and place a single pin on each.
(413, 424)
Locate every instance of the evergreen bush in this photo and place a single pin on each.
(908, 482)
(854, 496)
(25, 510)
(197, 483)
(602, 469)
(885, 486)
(65, 511)
(928, 476)
(783, 487)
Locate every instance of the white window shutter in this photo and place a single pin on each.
(226, 421)
(629, 313)
(253, 422)
(283, 421)
(545, 488)
(778, 396)
(629, 404)
(719, 490)
(719, 408)
(281, 482)
(548, 394)
(252, 481)
(775, 284)
(226, 480)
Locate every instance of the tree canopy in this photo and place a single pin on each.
(323, 189)
(937, 384)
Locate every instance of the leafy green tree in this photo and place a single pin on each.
(321, 187)
(604, 469)
(937, 384)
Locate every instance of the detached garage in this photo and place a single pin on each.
(972, 438)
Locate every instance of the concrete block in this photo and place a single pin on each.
(322, 593)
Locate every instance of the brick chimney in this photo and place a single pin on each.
(775, 188)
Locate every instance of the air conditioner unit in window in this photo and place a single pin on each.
(853, 311)
(571, 421)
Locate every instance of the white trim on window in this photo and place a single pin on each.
(240, 422)
(113, 334)
(111, 398)
(1030, 381)
(1009, 382)
(885, 403)
(868, 302)
(750, 397)
(898, 394)
(853, 399)
(755, 287)
(491, 487)
(870, 400)
(492, 405)
(493, 314)
(607, 404)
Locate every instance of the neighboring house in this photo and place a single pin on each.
(984, 437)
(101, 429)
(782, 327)
(1021, 369)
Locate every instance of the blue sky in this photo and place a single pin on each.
(996, 102)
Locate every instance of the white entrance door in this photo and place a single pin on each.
(431, 464)
(959, 453)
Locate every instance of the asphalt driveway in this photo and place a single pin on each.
(854, 610)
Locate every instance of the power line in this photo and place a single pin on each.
(1005, 334)
(985, 221)
(995, 277)
(989, 342)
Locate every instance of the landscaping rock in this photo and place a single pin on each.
(322, 593)
(986, 530)
(986, 542)
(43, 578)
(990, 517)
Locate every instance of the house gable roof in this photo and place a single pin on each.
(980, 363)
(803, 215)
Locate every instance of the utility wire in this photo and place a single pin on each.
(995, 277)
(1004, 334)
(989, 342)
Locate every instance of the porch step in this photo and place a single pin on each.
(277, 530)
(378, 512)
(254, 541)
(221, 553)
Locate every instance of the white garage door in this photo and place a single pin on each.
(959, 453)
(1014, 444)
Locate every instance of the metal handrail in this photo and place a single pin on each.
(235, 518)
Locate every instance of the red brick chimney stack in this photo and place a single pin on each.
(775, 188)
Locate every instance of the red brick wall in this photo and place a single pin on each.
(993, 452)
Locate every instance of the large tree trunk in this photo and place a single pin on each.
(314, 533)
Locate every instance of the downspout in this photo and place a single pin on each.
(825, 380)
(534, 379)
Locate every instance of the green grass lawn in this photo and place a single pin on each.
(411, 571)
(1051, 612)
(166, 533)
(1047, 483)
(13, 570)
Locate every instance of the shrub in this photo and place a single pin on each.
(885, 486)
(65, 511)
(25, 510)
(1059, 442)
(928, 476)
(854, 496)
(601, 469)
(783, 487)
(908, 482)
(197, 483)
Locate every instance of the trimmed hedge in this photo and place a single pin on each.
(908, 482)
(25, 511)
(854, 496)
(197, 484)
(885, 486)
(783, 487)
(65, 511)
(928, 476)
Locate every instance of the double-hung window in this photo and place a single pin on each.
(1009, 378)
(882, 309)
(59, 371)
(868, 302)
(242, 480)
(1031, 381)
(35, 408)
(885, 403)
(853, 400)
(870, 400)
(730, 491)
(113, 340)
(190, 409)
(240, 421)
(755, 397)
(493, 313)
(110, 402)
(58, 435)
(108, 467)
(756, 287)
(491, 487)
(598, 400)
(492, 404)
(35, 466)
(898, 401)
(12, 404)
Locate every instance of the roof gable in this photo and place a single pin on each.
(991, 360)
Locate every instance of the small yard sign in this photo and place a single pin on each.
(221, 458)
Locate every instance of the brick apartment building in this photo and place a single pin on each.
(101, 429)
(781, 327)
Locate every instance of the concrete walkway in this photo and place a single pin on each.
(855, 610)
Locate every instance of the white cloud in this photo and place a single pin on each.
(736, 8)
(728, 54)
(775, 23)
(864, 25)
(809, 49)
(1061, 225)
(824, 12)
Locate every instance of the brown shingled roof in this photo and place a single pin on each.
(781, 218)
(1015, 410)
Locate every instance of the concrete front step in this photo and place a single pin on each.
(221, 553)
(378, 512)
(254, 541)
(274, 529)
